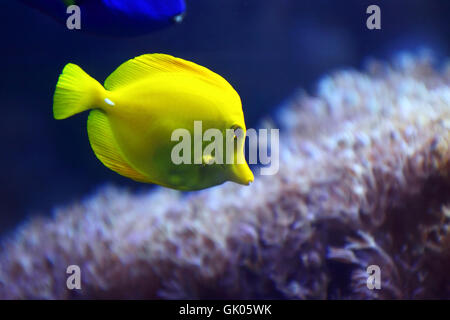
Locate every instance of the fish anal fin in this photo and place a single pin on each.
(149, 64)
(106, 149)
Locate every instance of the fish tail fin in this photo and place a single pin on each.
(75, 92)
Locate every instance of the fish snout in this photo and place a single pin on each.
(242, 174)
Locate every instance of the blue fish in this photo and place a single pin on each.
(116, 17)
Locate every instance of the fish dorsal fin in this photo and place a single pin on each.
(149, 64)
(106, 149)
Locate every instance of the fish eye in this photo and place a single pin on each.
(237, 131)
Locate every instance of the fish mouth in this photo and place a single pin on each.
(242, 174)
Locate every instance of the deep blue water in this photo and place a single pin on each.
(265, 48)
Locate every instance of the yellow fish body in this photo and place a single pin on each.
(134, 115)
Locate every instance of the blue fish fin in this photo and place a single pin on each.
(154, 9)
(106, 149)
(149, 64)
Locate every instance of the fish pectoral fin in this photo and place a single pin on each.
(106, 149)
(148, 64)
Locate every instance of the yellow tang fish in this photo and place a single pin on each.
(134, 115)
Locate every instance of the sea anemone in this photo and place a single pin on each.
(364, 179)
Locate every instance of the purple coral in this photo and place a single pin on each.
(363, 180)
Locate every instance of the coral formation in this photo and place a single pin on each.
(363, 180)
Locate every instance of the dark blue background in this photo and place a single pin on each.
(265, 48)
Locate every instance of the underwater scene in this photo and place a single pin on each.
(226, 149)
